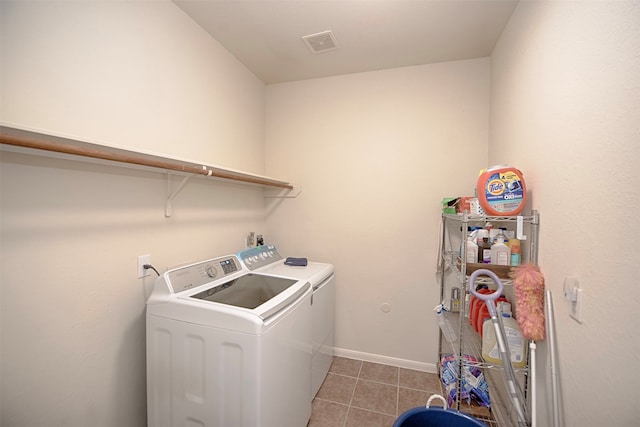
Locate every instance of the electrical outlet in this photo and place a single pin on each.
(142, 260)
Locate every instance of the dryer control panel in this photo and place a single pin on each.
(193, 275)
(259, 256)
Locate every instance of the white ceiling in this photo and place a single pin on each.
(265, 35)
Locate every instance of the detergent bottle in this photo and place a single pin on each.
(472, 303)
(517, 343)
(476, 303)
(501, 191)
(483, 314)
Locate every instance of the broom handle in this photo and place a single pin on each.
(532, 360)
(551, 339)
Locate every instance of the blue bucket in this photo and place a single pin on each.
(425, 416)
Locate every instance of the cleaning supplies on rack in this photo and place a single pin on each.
(483, 313)
(499, 233)
(517, 343)
(472, 249)
(474, 305)
(444, 323)
(455, 300)
(500, 252)
(501, 191)
(484, 251)
(481, 233)
(474, 385)
(515, 392)
(491, 245)
(516, 251)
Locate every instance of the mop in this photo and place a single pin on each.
(515, 393)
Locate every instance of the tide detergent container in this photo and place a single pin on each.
(501, 191)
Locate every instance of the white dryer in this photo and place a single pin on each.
(267, 260)
(227, 347)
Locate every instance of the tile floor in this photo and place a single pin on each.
(357, 393)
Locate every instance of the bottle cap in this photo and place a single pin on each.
(482, 233)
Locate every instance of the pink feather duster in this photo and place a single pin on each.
(528, 285)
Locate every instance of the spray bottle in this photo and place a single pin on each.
(444, 323)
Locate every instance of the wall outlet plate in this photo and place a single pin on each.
(575, 307)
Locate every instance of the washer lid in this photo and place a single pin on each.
(314, 272)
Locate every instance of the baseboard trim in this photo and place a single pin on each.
(386, 360)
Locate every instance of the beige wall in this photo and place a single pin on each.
(565, 108)
(374, 153)
(136, 74)
(130, 74)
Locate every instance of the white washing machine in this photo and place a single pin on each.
(227, 347)
(266, 259)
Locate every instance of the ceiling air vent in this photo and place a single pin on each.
(321, 42)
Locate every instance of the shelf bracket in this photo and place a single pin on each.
(519, 228)
(284, 194)
(168, 204)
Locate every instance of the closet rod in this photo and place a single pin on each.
(58, 147)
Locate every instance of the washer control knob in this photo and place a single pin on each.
(211, 272)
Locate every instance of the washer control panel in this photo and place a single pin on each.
(259, 256)
(193, 275)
